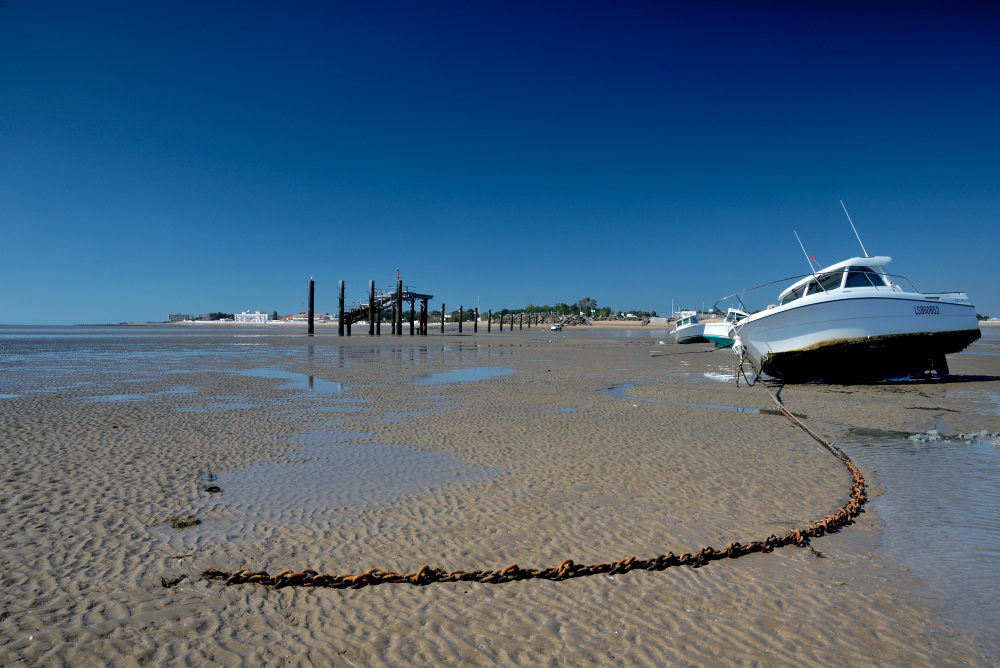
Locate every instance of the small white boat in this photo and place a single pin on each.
(718, 332)
(687, 329)
(556, 327)
(853, 321)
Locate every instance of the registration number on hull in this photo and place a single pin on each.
(927, 310)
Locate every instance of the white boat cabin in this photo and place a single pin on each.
(734, 315)
(858, 273)
(687, 320)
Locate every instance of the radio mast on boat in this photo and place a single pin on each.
(854, 228)
(812, 269)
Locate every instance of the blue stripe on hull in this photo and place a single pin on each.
(720, 341)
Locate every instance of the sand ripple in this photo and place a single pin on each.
(89, 489)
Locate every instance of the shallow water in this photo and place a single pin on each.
(325, 475)
(299, 381)
(941, 508)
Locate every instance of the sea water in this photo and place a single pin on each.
(941, 509)
(941, 505)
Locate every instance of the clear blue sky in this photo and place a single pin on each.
(200, 156)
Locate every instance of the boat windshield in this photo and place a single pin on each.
(863, 277)
(826, 283)
(832, 281)
(794, 294)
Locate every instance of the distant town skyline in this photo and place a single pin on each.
(641, 154)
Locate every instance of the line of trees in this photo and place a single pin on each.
(587, 306)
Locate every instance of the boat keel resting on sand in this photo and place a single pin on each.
(853, 321)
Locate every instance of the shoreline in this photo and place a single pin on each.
(362, 330)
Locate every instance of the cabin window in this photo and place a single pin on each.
(827, 282)
(831, 281)
(793, 295)
(863, 277)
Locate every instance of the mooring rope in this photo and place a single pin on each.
(568, 568)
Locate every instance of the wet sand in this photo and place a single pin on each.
(542, 464)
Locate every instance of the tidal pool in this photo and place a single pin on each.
(299, 381)
(940, 508)
(327, 477)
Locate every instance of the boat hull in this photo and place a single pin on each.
(718, 333)
(689, 334)
(857, 337)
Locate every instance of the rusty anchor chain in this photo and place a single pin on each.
(569, 569)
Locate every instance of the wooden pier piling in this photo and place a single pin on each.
(340, 310)
(371, 308)
(312, 310)
(399, 307)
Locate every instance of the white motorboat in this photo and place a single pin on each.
(718, 332)
(688, 329)
(854, 321)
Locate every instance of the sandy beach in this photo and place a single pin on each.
(346, 454)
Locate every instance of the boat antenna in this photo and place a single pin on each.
(854, 228)
(812, 269)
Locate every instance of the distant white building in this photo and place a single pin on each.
(256, 317)
(317, 317)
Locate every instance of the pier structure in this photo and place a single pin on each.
(371, 307)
